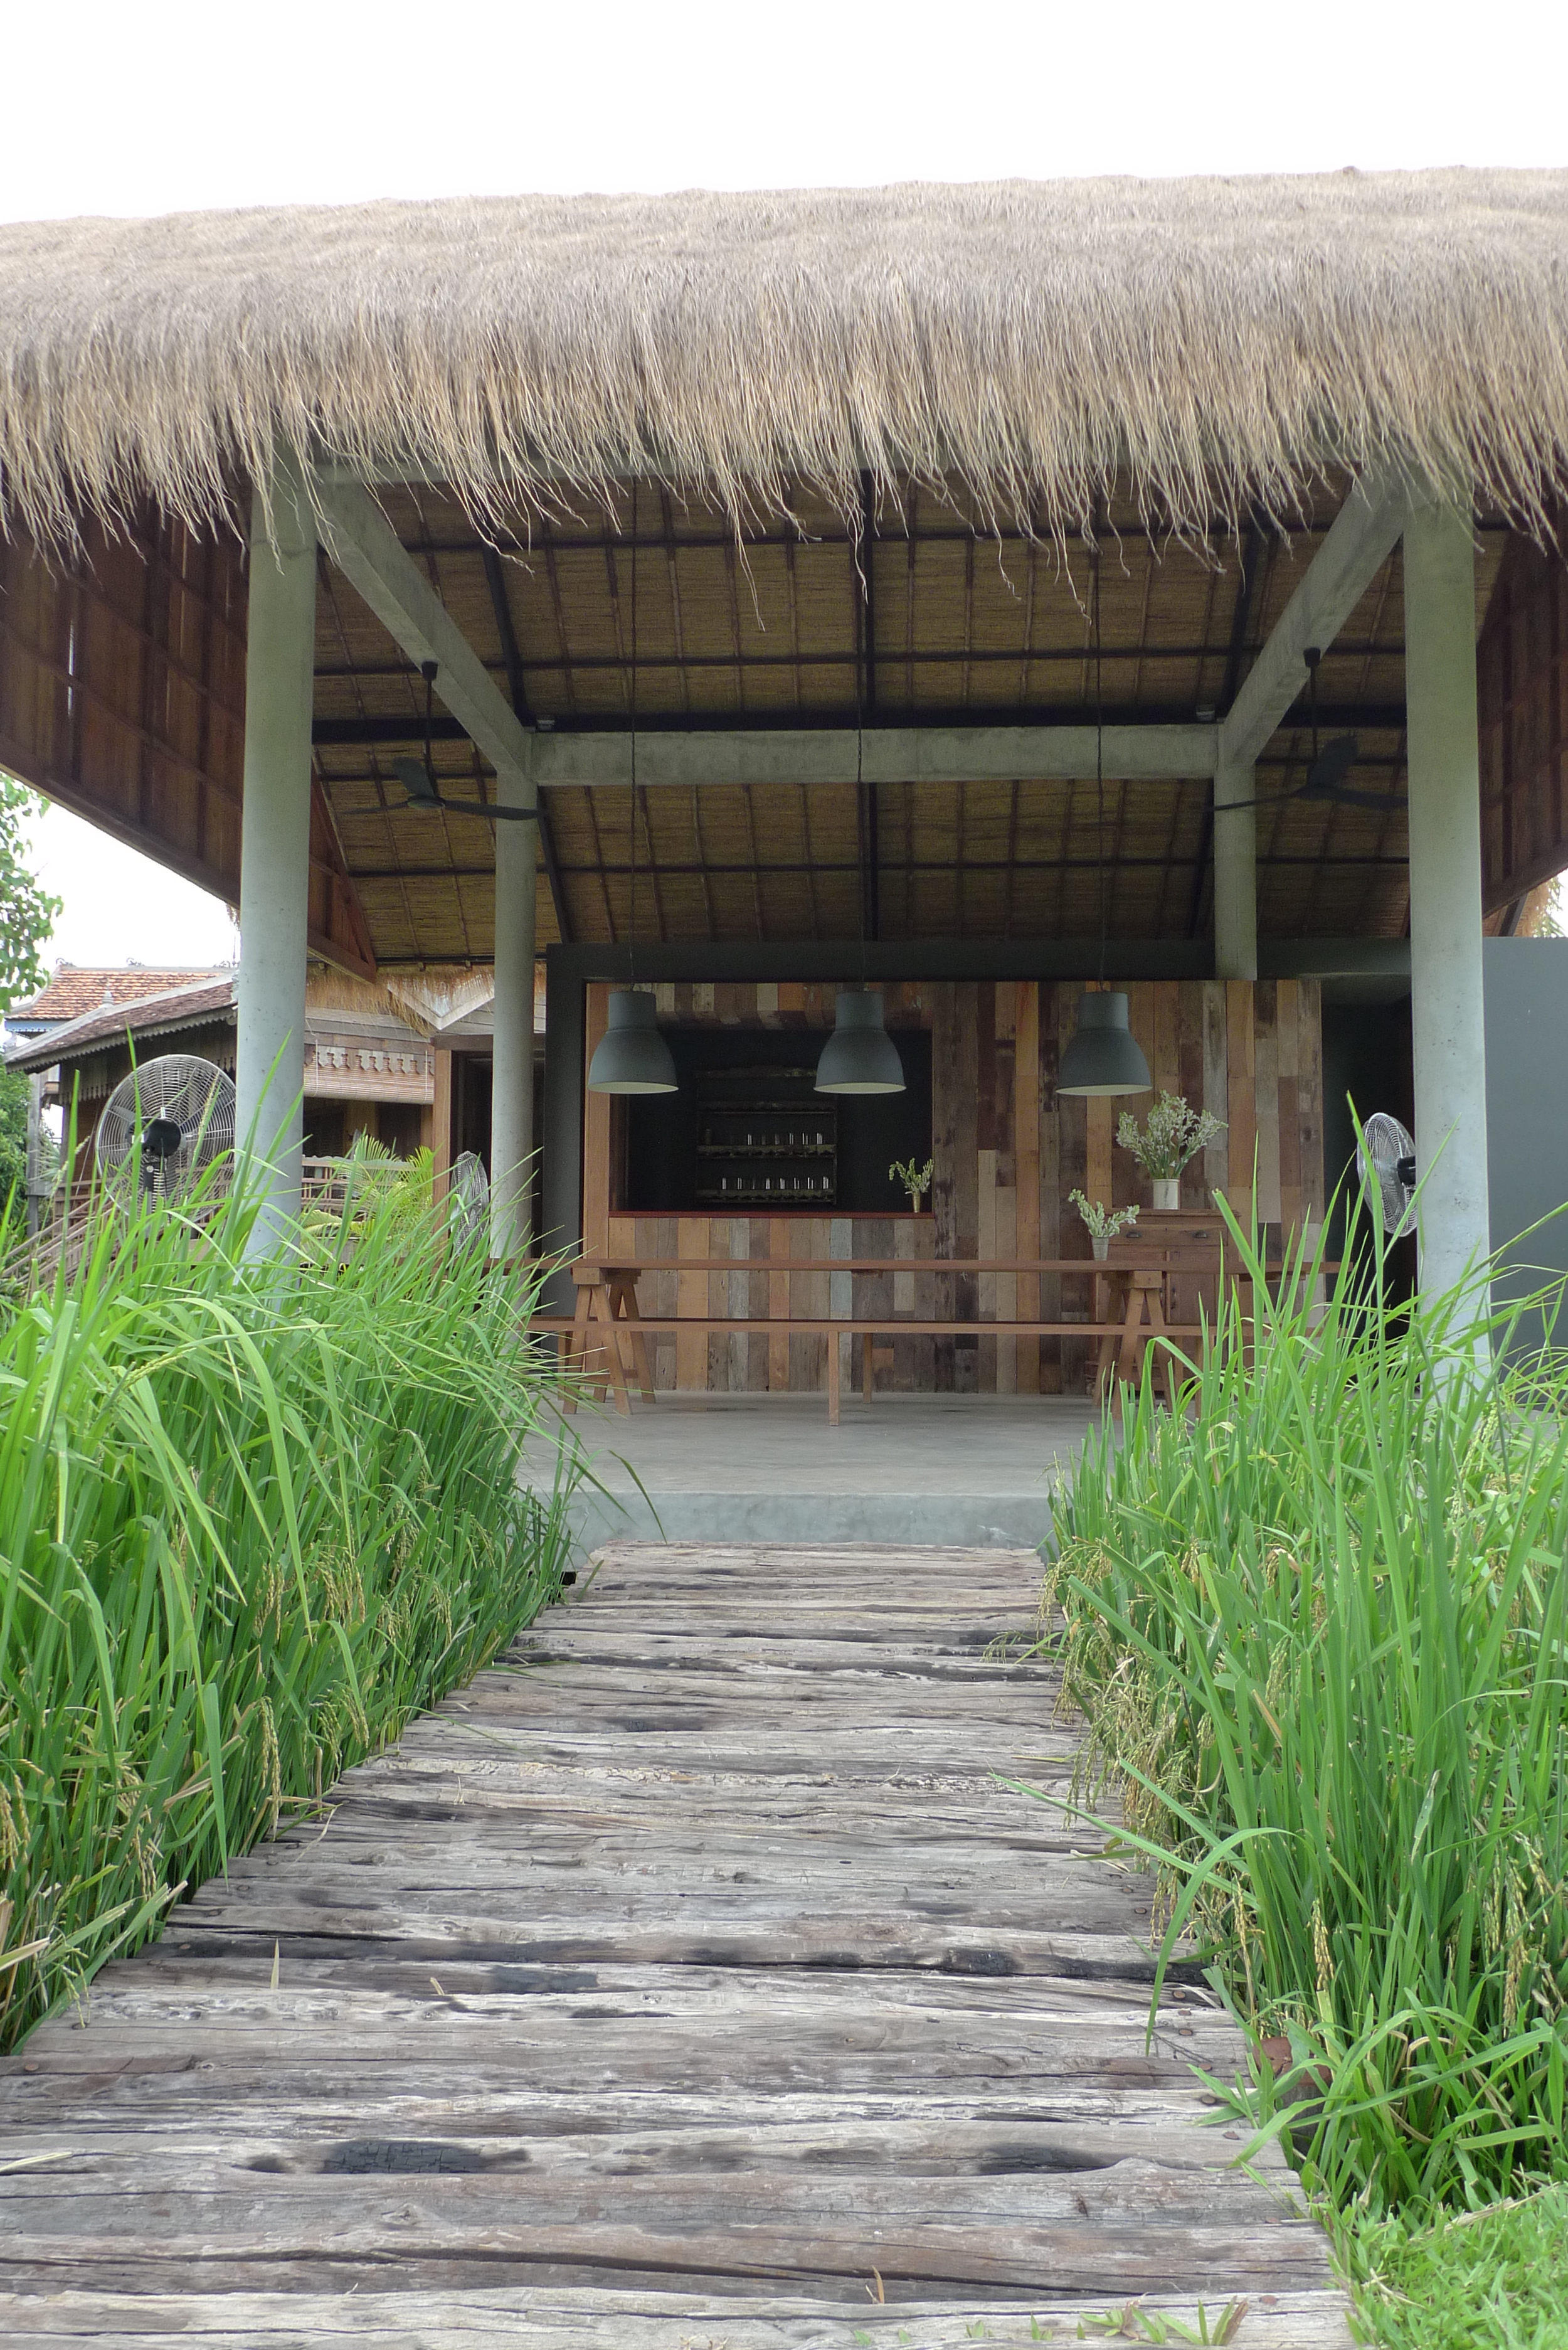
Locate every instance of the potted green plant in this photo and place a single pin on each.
(1102, 1226)
(1172, 1133)
(916, 1181)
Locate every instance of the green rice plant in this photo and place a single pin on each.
(252, 1515)
(1317, 1618)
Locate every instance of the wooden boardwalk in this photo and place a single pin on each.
(686, 1983)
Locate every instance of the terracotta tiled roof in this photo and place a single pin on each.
(77, 988)
(196, 1001)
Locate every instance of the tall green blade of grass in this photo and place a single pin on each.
(251, 1516)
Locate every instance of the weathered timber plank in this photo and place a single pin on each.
(555, 2318)
(916, 2137)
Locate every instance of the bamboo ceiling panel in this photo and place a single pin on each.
(930, 615)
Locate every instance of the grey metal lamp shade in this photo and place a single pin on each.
(859, 1057)
(1104, 1056)
(631, 1057)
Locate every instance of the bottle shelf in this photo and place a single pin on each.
(802, 1151)
(766, 1143)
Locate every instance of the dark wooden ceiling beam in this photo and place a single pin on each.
(850, 657)
(368, 734)
(675, 871)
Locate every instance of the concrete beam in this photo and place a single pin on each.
(1041, 959)
(886, 754)
(1363, 534)
(371, 557)
(368, 551)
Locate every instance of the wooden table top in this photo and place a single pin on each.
(1159, 1254)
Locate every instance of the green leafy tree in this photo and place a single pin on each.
(27, 917)
(28, 914)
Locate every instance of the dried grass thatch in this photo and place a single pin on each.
(328, 990)
(1217, 342)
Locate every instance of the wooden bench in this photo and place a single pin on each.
(607, 1312)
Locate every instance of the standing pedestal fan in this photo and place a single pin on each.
(162, 1127)
(1386, 1164)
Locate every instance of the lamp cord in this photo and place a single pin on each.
(631, 956)
(861, 826)
(1099, 760)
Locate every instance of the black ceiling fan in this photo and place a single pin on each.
(416, 778)
(1330, 765)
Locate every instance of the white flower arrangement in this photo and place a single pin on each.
(1173, 1133)
(1099, 1222)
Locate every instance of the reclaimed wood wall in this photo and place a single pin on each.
(1008, 1152)
(1521, 684)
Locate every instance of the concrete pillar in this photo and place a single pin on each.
(566, 1049)
(512, 1099)
(1445, 891)
(1235, 870)
(274, 845)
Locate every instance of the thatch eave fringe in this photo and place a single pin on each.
(1218, 345)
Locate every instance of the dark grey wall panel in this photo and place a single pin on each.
(1526, 988)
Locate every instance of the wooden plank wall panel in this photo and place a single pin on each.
(1309, 1097)
(122, 695)
(1241, 1143)
(1523, 707)
(123, 688)
(1007, 1154)
(1029, 1173)
(1068, 1119)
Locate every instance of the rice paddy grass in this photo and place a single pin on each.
(1317, 1620)
(252, 1515)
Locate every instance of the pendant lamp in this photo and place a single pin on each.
(1103, 1057)
(859, 1057)
(631, 1057)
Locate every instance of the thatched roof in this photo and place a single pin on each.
(1216, 342)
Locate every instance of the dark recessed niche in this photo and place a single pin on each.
(688, 1152)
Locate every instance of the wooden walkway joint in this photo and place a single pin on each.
(692, 1978)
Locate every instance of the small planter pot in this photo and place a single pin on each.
(1167, 1191)
(1101, 1245)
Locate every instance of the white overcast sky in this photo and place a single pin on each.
(162, 107)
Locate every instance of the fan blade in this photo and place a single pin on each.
(1325, 776)
(1337, 796)
(486, 808)
(415, 779)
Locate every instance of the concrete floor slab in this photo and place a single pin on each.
(952, 1469)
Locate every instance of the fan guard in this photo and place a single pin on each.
(1386, 1156)
(162, 1126)
(468, 1195)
